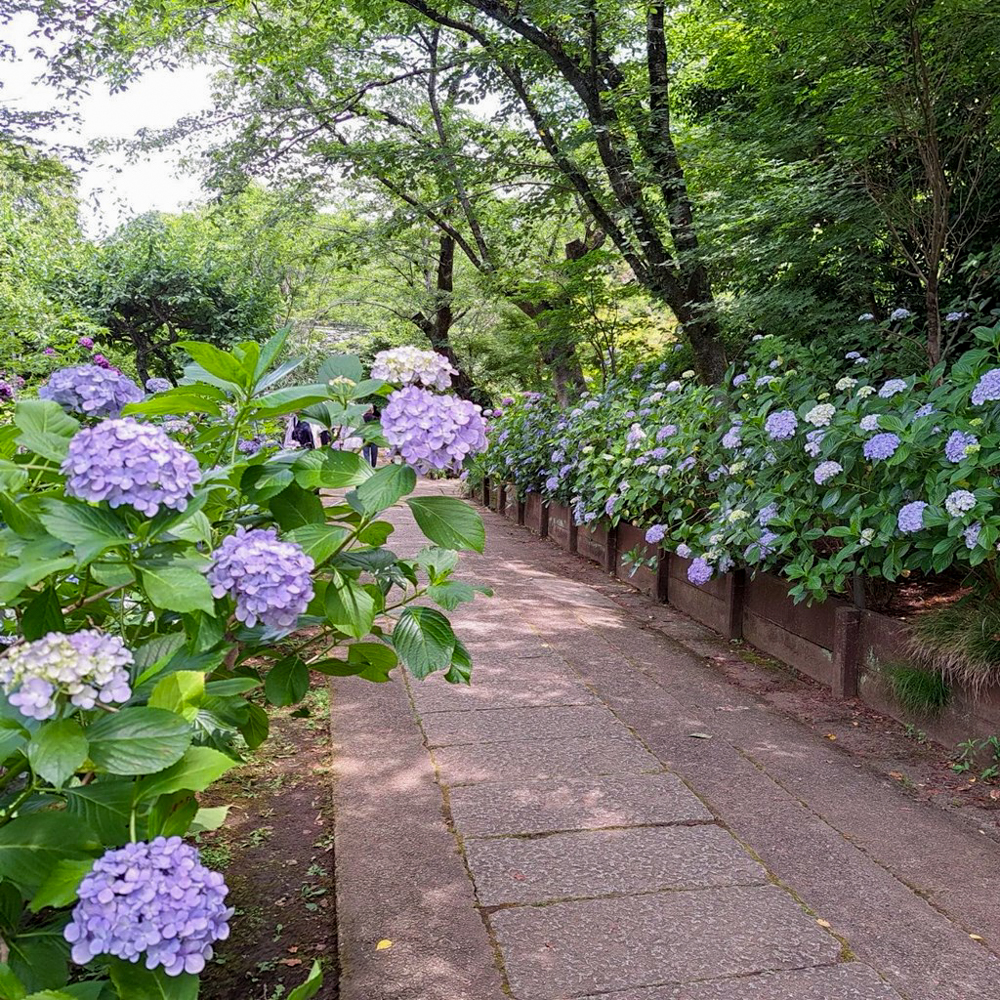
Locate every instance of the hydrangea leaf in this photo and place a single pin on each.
(194, 772)
(424, 640)
(104, 806)
(311, 986)
(449, 522)
(57, 750)
(286, 682)
(349, 606)
(138, 741)
(137, 982)
(177, 587)
(32, 845)
(390, 484)
(60, 888)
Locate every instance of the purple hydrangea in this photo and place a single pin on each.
(814, 440)
(591, 404)
(852, 355)
(971, 535)
(898, 314)
(870, 422)
(763, 380)
(656, 533)
(124, 462)
(740, 379)
(781, 425)
(959, 502)
(911, 517)
(892, 388)
(270, 579)
(700, 571)
(674, 386)
(685, 464)
(432, 432)
(881, 446)
(154, 898)
(552, 484)
(825, 471)
(102, 362)
(87, 342)
(987, 389)
(92, 390)
(635, 436)
(767, 514)
(683, 550)
(659, 454)
(87, 667)
(759, 550)
(957, 445)
(733, 437)
(664, 432)
(955, 317)
(610, 503)
(157, 385)
(925, 411)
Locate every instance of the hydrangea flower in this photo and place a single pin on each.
(763, 380)
(683, 550)
(987, 389)
(635, 436)
(865, 391)
(852, 355)
(733, 437)
(860, 360)
(774, 364)
(154, 898)
(959, 502)
(87, 342)
(92, 390)
(158, 385)
(814, 439)
(767, 515)
(846, 383)
(658, 454)
(911, 517)
(781, 425)
(870, 422)
(740, 379)
(674, 386)
(821, 415)
(411, 365)
(87, 667)
(656, 533)
(759, 550)
(892, 388)
(958, 446)
(686, 464)
(866, 317)
(971, 535)
(925, 411)
(270, 579)
(664, 432)
(552, 484)
(954, 317)
(432, 432)
(610, 503)
(825, 471)
(881, 446)
(700, 571)
(124, 462)
(898, 314)
(591, 404)
(867, 536)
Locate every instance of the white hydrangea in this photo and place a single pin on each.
(867, 536)
(411, 365)
(821, 415)
(738, 515)
(846, 383)
(865, 391)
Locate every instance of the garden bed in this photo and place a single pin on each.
(276, 852)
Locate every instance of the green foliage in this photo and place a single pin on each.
(961, 640)
(920, 692)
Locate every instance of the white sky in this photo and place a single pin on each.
(113, 189)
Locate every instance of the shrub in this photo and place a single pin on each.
(155, 589)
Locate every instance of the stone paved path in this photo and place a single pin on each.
(555, 831)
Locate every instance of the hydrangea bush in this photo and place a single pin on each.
(814, 465)
(162, 586)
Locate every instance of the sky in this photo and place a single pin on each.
(113, 189)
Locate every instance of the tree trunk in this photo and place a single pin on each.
(932, 300)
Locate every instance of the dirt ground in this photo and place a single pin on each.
(276, 852)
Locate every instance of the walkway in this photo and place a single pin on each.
(602, 815)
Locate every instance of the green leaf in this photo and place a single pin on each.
(45, 427)
(157, 651)
(138, 741)
(58, 750)
(342, 366)
(261, 482)
(424, 640)
(377, 533)
(256, 727)
(293, 507)
(318, 541)
(452, 593)
(60, 888)
(209, 818)
(386, 487)
(182, 399)
(219, 363)
(19, 517)
(194, 772)
(11, 988)
(171, 815)
(349, 607)
(373, 658)
(32, 845)
(449, 522)
(39, 955)
(91, 530)
(43, 614)
(136, 982)
(287, 682)
(180, 692)
(281, 401)
(270, 351)
(176, 587)
(331, 470)
(311, 986)
(105, 806)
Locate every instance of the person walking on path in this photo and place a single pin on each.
(370, 449)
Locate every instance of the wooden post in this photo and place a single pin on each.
(502, 499)
(735, 590)
(486, 491)
(663, 576)
(543, 527)
(520, 512)
(573, 531)
(846, 652)
(611, 550)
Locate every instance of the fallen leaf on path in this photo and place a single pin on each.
(290, 961)
(383, 944)
(700, 736)
(823, 923)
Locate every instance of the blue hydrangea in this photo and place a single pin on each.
(683, 550)
(733, 437)
(892, 388)
(781, 425)
(759, 550)
(552, 484)
(659, 454)
(685, 464)
(740, 379)
(881, 446)
(611, 503)
(674, 386)
(814, 440)
(911, 517)
(591, 404)
(151, 898)
(767, 515)
(431, 432)
(957, 446)
(866, 317)
(763, 380)
(155, 385)
(700, 571)
(656, 533)
(270, 580)
(987, 389)
(954, 317)
(898, 314)
(870, 422)
(664, 432)
(127, 463)
(86, 668)
(852, 355)
(925, 411)
(91, 390)
(825, 471)
(959, 502)
(971, 535)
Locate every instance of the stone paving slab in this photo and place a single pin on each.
(574, 804)
(500, 725)
(575, 949)
(849, 981)
(582, 755)
(602, 862)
